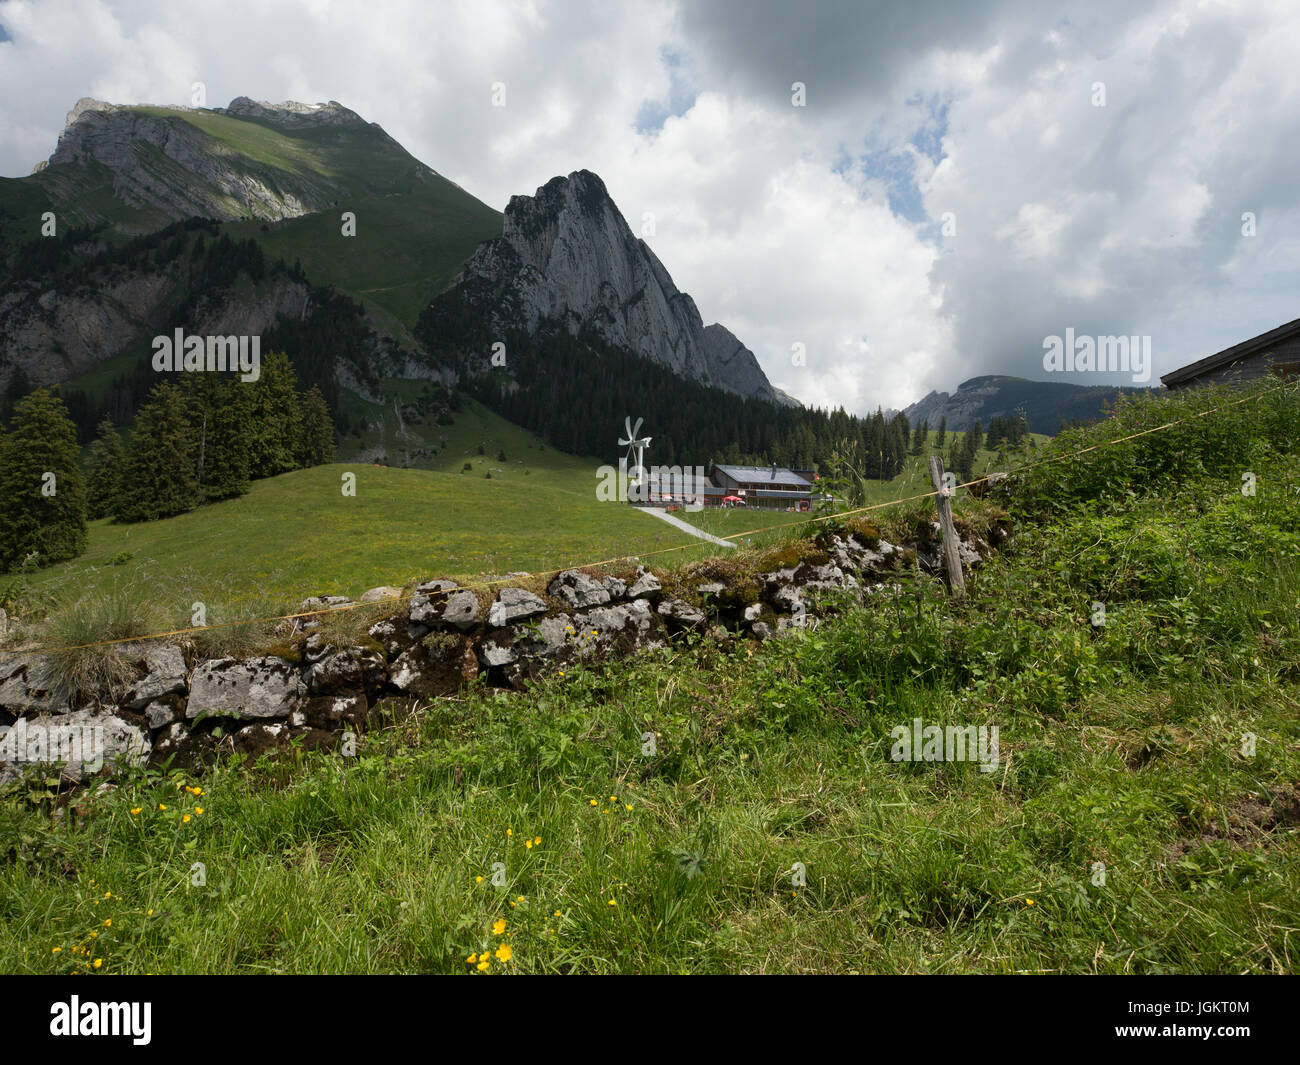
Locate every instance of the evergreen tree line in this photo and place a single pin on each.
(577, 391)
(198, 440)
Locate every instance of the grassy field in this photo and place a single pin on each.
(1129, 825)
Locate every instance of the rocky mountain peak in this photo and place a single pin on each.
(567, 254)
(292, 114)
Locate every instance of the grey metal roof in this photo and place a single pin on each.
(763, 473)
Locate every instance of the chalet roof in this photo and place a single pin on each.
(1230, 355)
(763, 473)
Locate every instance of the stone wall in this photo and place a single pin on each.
(430, 644)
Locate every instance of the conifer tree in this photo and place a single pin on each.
(274, 418)
(106, 459)
(217, 408)
(159, 478)
(943, 432)
(316, 442)
(42, 489)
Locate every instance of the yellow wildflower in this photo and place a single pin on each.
(185, 820)
(505, 952)
(199, 810)
(472, 959)
(99, 962)
(482, 966)
(135, 810)
(499, 927)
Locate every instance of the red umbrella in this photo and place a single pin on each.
(732, 499)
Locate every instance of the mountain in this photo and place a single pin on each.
(282, 174)
(1046, 403)
(566, 256)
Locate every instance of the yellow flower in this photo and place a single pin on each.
(1029, 902)
(478, 880)
(627, 806)
(510, 831)
(612, 902)
(512, 905)
(56, 950)
(593, 802)
(199, 810)
(595, 632)
(499, 927)
(613, 798)
(472, 958)
(99, 962)
(185, 820)
(482, 966)
(505, 952)
(108, 894)
(94, 935)
(519, 898)
(135, 810)
(538, 840)
(557, 913)
(149, 914)
(161, 806)
(108, 922)
(528, 843)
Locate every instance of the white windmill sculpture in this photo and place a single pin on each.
(637, 444)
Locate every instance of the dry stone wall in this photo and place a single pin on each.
(442, 638)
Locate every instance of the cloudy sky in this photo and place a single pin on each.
(963, 180)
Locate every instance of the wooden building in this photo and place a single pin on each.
(1276, 352)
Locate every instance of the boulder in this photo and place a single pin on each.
(462, 611)
(616, 587)
(645, 586)
(164, 668)
(497, 651)
(515, 604)
(82, 742)
(681, 613)
(264, 687)
(427, 602)
(578, 590)
(380, 594)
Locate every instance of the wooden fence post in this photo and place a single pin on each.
(951, 559)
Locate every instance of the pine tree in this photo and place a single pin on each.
(943, 432)
(273, 418)
(316, 441)
(217, 409)
(159, 478)
(106, 459)
(42, 489)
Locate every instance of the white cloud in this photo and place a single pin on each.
(1122, 219)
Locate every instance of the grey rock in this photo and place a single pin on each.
(681, 612)
(762, 630)
(259, 688)
(753, 612)
(578, 590)
(428, 600)
(515, 604)
(159, 714)
(493, 652)
(646, 585)
(82, 742)
(165, 672)
(788, 598)
(462, 611)
(380, 594)
(615, 586)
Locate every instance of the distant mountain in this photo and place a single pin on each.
(1045, 403)
(566, 256)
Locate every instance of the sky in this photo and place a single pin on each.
(879, 199)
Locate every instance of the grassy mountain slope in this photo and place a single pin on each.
(1125, 830)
